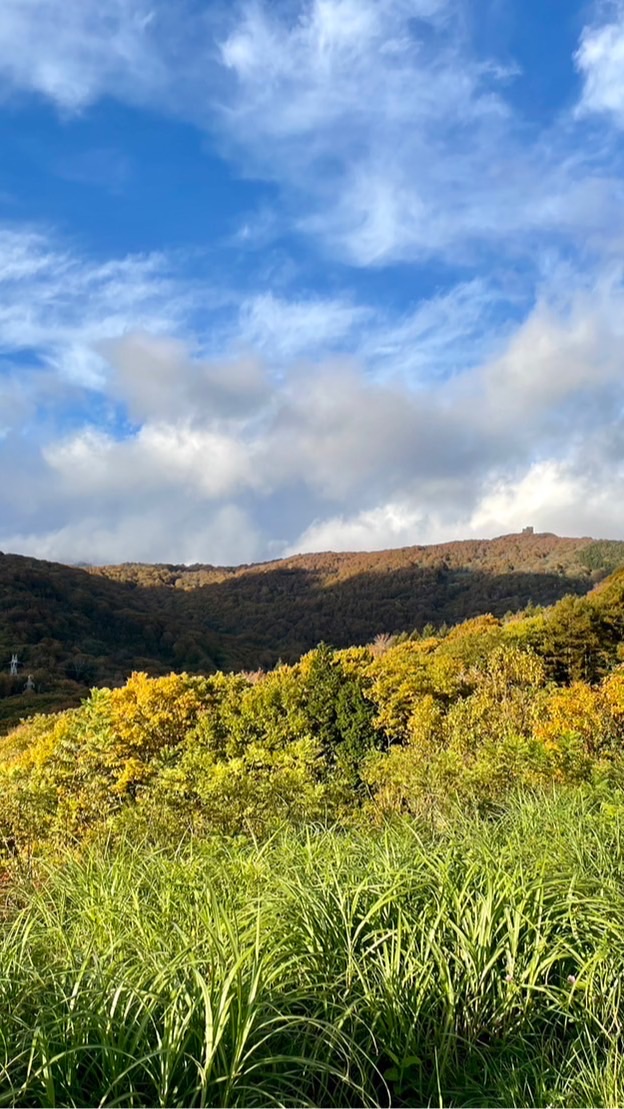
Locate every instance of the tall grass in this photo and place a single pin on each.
(478, 964)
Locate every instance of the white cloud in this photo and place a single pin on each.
(563, 496)
(600, 60)
(173, 531)
(553, 495)
(391, 141)
(388, 138)
(328, 457)
(446, 333)
(320, 56)
(76, 51)
(395, 524)
(160, 457)
(557, 360)
(348, 106)
(156, 379)
(60, 304)
(14, 404)
(437, 337)
(70, 323)
(537, 437)
(287, 329)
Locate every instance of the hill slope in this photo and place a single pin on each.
(77, 627)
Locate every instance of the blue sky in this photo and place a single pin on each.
(293, 275)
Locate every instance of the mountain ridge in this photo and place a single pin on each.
(75, 627)
(361, 559)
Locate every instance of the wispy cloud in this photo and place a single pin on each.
(73, 53)
(600, 59)
(392, 141)
(57, 304)
(286, 328)
(63, 310)
(388, 138)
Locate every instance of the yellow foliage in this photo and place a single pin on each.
(401, 677)
(479, 627)
(32, 743)
(509, 666)
(613, 693)
(425, 725)
(354, 660)
(148, 714)
(467, 716)
(134, 773)
(577, 712)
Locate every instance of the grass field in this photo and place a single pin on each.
(479, 963)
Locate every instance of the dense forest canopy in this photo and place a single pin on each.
(398, 726)
(77, 627)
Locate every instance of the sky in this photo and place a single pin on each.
(300, 275)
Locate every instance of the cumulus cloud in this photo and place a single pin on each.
(156, 379)
(558, 371)
(552, 495)
(173, 531)
(159, 458)
(330, 457)
(540, 440)
(14, 402)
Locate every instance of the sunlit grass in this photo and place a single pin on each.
(476, 964)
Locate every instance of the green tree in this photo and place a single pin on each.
(340, 715)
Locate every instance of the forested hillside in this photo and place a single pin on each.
(73, 628)
(475, 712)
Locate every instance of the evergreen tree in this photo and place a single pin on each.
(341, 717)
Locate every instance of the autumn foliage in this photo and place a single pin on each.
(405, 725)
(74, 628)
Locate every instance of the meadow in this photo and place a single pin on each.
(476, 960)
